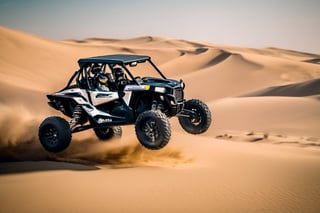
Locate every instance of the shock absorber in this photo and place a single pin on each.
(76, 116)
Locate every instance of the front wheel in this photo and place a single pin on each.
(195, 117)
(153, 129)
(54, 134)
(106, 133)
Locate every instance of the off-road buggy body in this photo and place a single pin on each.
(104, 94)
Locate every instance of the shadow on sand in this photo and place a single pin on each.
(7, 168)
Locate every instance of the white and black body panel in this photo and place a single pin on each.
(126, 96)
(110, 108)
(93, 102)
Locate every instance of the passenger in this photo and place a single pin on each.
(120, 78)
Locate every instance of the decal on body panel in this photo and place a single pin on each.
(83, 97)
(136, 87)
(101, 97)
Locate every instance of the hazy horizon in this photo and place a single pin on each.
(283, 23)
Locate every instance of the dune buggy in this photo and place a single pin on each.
(107, 92)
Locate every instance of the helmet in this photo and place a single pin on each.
(102, 79)
(118, 72)
(96, 69)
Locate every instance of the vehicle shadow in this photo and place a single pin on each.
(7, 168)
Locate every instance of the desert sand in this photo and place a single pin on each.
(261, 154)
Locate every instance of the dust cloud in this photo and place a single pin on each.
(19, 142)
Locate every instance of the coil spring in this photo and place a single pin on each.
(77, 112)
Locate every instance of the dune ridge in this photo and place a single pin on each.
(305, 88)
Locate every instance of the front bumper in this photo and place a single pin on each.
(175, 101)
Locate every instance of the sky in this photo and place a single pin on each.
(290, 24)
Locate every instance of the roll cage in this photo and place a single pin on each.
(81, 78)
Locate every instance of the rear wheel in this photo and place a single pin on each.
(106, 133)
(153, 129)
(196, 117)
(54, 134)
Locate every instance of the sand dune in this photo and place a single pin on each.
(260, 155)
(306, 88)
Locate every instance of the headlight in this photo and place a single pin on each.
(160, 89)
(182, 85)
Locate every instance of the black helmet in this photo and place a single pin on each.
(118, 72)
(96, 69)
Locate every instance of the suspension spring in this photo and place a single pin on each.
(76, 116)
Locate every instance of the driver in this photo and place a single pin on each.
(100, 80)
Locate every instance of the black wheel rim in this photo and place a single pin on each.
(151, 131)
(104, 130)
(51, 135)
(195, 119)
